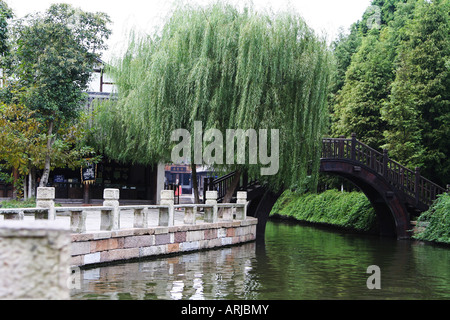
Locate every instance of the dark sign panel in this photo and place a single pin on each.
(89, 173)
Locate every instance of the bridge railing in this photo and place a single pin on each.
(410, 182)
(222, 184)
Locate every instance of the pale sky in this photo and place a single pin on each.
(324, 16)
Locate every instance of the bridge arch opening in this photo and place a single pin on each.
(392, 216)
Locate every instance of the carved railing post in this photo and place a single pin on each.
(166, 215)
(211, 213)
(45, 197)
(241, 212)
(385, 163)
(416, 185)
(353, 154)
(111, 199)
(341, 147)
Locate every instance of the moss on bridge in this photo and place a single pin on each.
(350, 210)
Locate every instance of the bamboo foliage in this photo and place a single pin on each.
(229, 68)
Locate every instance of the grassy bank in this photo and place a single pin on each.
(351, 210)
(438, 216)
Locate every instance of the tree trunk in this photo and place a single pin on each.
(50, 141)
(194, 183)
(233, 186)
(15, 174)
(32, 183)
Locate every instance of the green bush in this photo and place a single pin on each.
(438, 216)
(30, 203)
(350, 210)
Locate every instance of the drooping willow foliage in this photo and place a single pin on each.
(229, 68)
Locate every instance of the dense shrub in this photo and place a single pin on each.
(438, 216)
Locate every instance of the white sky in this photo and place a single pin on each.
(325, 16)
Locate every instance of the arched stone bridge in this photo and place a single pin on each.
(395, 191)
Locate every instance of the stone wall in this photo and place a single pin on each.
(34, 260)
(108, 246)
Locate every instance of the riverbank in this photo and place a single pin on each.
(347, 210)
(353, 211)
(437, 219)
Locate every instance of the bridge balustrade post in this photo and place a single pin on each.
(111, 199)
(45, 197)
(416, 185)
(353, 154)
(341, 147)
(402, 177)
(385, 163)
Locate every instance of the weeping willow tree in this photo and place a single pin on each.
(228, 68)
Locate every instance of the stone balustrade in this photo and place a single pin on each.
(36, 255)
(111, 210)
(34, 260)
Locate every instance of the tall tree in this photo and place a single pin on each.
(358, 105)
(5, 14)
(53, 57)
(228, 69)
(418, 113)
(365, 90)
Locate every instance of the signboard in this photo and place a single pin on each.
(89, 173)
(59, 178)
(178, 169)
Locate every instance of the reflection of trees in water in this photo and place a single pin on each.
(324, 264)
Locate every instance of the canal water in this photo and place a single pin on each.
(296, 262)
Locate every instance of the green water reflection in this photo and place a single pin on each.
(296, 262)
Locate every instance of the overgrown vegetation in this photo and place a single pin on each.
(438, 217)
(350, 210)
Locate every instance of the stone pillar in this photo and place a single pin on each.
(166, 215)
(140, 218)
(34, 260)
(189, 215)
(45, 199)
(111, 199)
(211, 213)
(241, 213)
(227, 213)
(78, 221)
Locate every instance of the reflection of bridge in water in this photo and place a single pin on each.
(395, 191)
